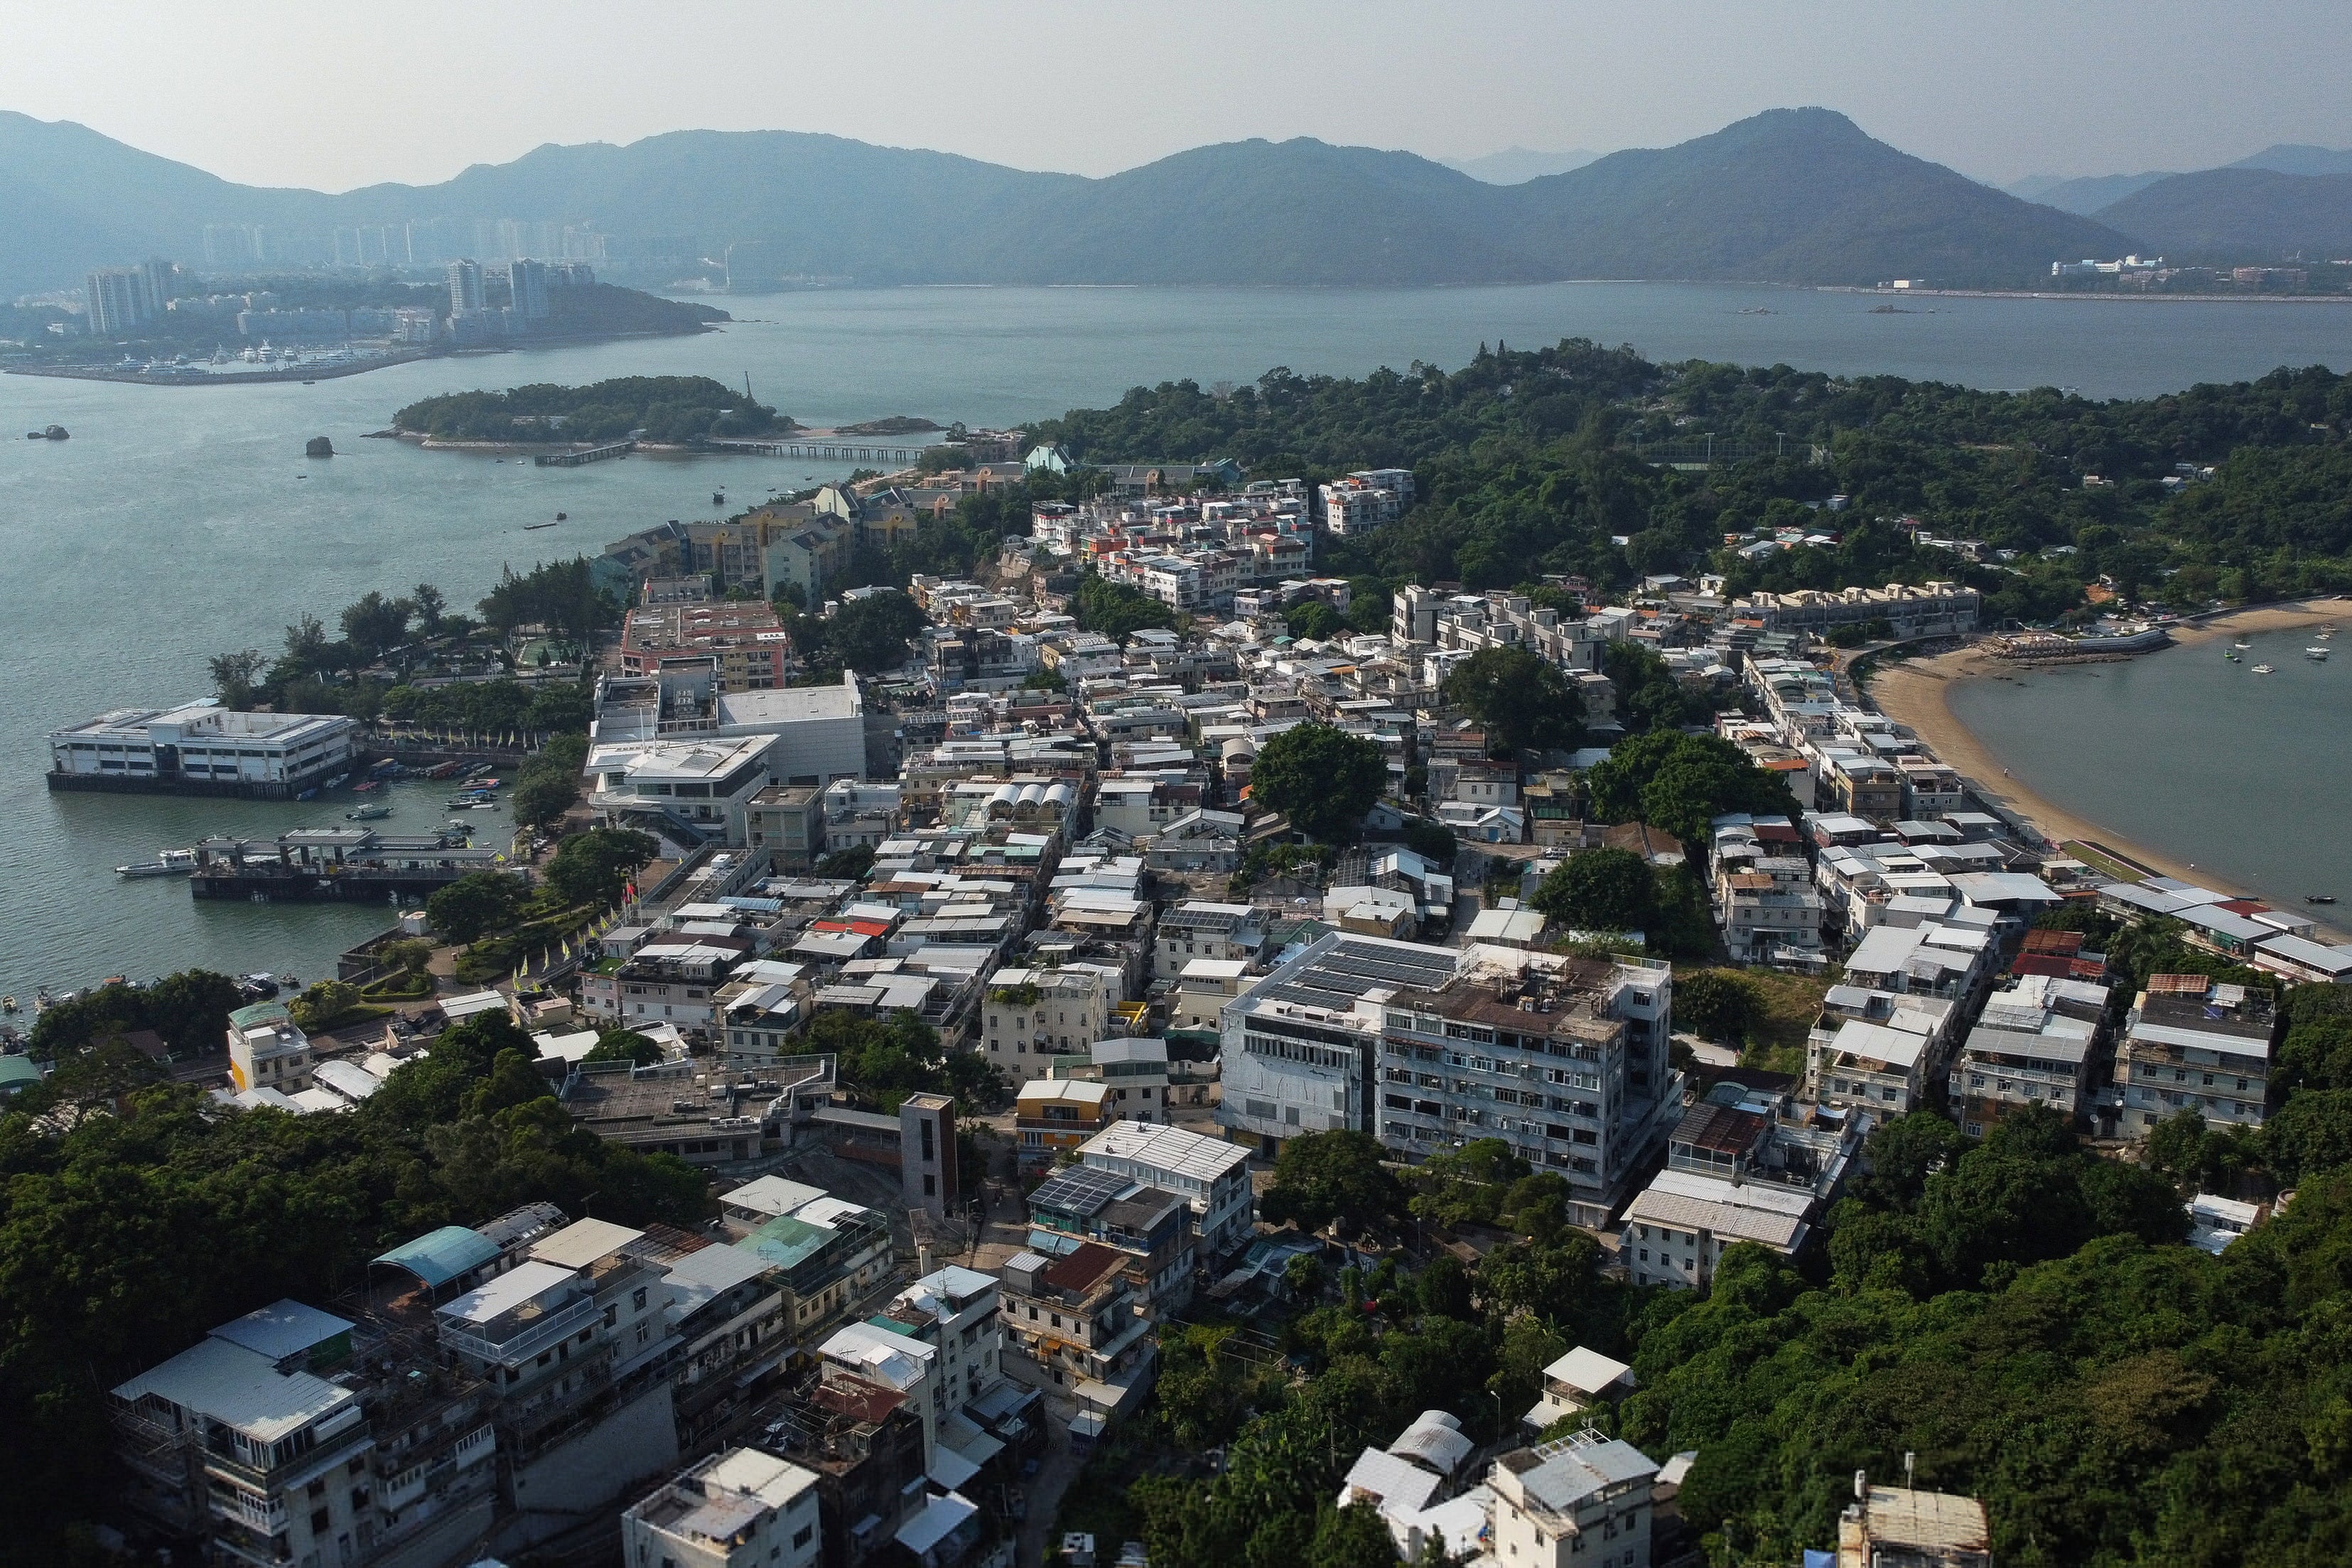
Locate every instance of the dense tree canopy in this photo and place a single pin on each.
(1682, 782)
(1323, 1177)
(1601, 890)
(1530, 462)
(1322, 779)
(1520, 695)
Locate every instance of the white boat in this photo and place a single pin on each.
(2266, 669)
(2315, 652)
(167, 862)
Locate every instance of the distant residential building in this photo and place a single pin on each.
(528, 282)
(1365, 500)
(1037, 1012)
(1074, 1316)
(2032, 1046)
(2190, 1044)
(788, 821)
(741, 1509)
(465, 288)
(118, 300)
(1577, 1382)
(745, 637)
(1929, 610)
(694, 790)
(1051, 1114)
(1210, 1174)
(1581, 1503)
(1741, 1165)
(1891, 1525)
(266, 1049)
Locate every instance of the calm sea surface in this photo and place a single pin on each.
(2248, 775)
(180, 522)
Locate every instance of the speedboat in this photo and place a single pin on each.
(2266, 669)
(2316, 653)
(2319, 898)
(167, 862)
(374, 812)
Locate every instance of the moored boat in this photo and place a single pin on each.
(374, 812)
(2266, 669)
(167, 862)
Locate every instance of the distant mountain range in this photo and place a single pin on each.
(1791, 195)
(2287, 198)
(1517, 166)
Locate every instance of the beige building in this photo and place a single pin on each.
(267, 1051)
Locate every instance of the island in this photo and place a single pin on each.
(681, 411)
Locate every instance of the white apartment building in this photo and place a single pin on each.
(1926, 610)
(202, 748)
(2031, 1047)
(1464, 622)
(1581, 1503)
(1032, 1012)
(1677, 1229)
(1564, 1058)
(1210, 1174)
(1202, 991)
(1364, 500)
(1198, 929)
(692, 789)
(954, 1311)
(1300, 1048)
(266, 1049)
(741, 1509)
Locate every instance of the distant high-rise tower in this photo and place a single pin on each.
(155, 276)
(465, 288)
(528, 281)
(117, 298)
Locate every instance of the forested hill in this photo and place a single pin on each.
(1790, 195)
(667, 408)
(1533, 462)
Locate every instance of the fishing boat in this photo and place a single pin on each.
(167, 862)
(374, 812)
(2266, 669)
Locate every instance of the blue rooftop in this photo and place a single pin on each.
(442, 1255)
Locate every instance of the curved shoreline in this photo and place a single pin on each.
(1915, 693)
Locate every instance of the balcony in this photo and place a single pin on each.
(528, 1339)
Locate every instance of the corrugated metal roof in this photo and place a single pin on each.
(440, 1256)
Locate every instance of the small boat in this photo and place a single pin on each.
(479, 768)
(7, 1004)
(717, 499)
(2319, 898)
(562, 517)
(310, 794)
(363, 785)
(2241, 643)
(2266, 669)
(2316, 654)
(167, 862)
(374, 812)
(527, 527)
(337, 782)
(483, 806)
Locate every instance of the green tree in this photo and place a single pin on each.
(1518, 695)
(375, 624)
(324, 1002)
(850, 865)
(1718, 1004)
(430, 605)
(870, 634)
(543, 796)
(595, 867)
(1355, 1536)
(233, 676)
(1322, 779)
(475, 905)
(625, 1045)
(1682, 782)
(1600, 890)
(1332, 1178)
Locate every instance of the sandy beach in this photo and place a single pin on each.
(1917, 693)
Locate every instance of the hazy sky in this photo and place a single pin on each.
(333, 95)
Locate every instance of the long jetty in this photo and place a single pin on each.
(829, 451)
(592, 455)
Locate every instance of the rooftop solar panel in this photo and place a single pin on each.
(1081, 1190)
